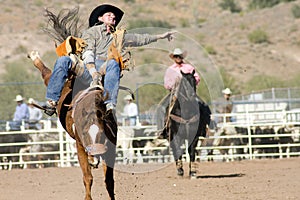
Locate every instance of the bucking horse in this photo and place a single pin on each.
(82, 113)
(187, 117)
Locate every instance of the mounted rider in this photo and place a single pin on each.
(172, 77)
(102, 55)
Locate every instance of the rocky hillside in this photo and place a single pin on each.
(201, 24)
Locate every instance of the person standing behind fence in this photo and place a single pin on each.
(227, 105)
(35, 114)
(130, 110)
(22, 111)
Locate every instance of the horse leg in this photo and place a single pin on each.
(177, 153)
(108, 168)
(38, 63)
(109, 180)
(86, 170)
(192, 153)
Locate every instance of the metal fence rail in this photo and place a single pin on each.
(57, 149)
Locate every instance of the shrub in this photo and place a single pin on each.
(265, 3)
(148, 23)
(230, 5)
(258, 36)
(184, 22)
(210, 50)
(296, 11)
(20, 50)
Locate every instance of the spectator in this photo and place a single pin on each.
(22, 111)
(130, 110)
(21, 114)
(227, 105)
(35, 115)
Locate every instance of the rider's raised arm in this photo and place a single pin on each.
(134, 39)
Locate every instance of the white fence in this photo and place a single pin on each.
(53, 146)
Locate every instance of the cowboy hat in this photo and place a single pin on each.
(178, 52)
(19, 98)
(128, 97)
(226, 91)
(30, 101)
(101, 10)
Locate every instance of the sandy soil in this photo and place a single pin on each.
(257, 179)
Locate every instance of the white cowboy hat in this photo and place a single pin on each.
(31, 101)
(178, 52)
(226, 91)
(128, 97)
(19, 98)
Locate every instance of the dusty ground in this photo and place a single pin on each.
(258, 179)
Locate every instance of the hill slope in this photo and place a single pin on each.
(201, 21)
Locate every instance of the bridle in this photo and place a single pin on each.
(183, 85)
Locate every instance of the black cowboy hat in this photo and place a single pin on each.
(101, 10)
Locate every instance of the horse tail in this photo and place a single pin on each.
(65, 24)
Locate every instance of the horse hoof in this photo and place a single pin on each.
(33, 55)
(193, 175)
(180, 172)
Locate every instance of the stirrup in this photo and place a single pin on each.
(50, 107)
(110, 107)
(48, 110)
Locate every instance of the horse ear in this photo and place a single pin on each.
(182, 73)
(193, 72)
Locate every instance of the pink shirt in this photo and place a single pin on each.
(173, 73)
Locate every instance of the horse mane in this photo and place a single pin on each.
(65, 24)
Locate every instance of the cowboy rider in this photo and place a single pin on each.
(99, 36)
(171, 77)
(173, 71)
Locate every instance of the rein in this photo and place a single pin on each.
(179, 119)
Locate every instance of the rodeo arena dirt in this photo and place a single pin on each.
(254, 157)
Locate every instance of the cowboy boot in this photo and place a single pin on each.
(193, 170)
(50, 107)
(162, 134)
(179, 166)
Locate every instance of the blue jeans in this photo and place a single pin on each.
(60, 74)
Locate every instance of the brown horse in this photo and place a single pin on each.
(85, 119)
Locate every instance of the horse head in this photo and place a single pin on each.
(90, 122)
(187, 87)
